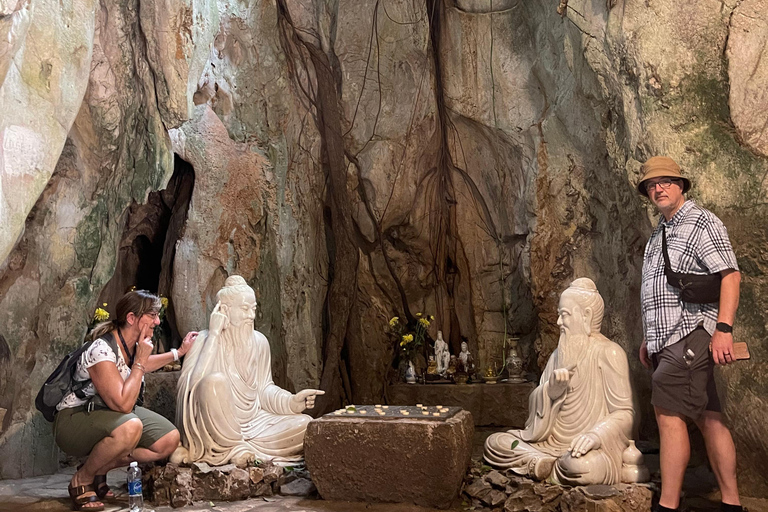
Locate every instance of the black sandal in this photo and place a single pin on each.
(102, 489)
(83, 495)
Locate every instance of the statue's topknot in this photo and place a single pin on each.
(234, 285)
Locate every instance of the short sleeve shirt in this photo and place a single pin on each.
(98, 352)
(697, 243)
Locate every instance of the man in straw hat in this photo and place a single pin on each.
(677, 334)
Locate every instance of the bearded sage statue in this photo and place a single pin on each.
(228, 408)
(581, 414)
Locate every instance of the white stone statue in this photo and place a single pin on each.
(580, 416)
(467, 362)
(228, 409)
(442, 354)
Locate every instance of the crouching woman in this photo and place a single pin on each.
(104, 423)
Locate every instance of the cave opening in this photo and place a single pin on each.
(148, 247)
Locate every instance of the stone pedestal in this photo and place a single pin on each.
(504, 490)
(180, 486)
(160, 393)
(491, 405)
(399, 460)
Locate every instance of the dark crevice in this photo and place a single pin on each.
(148, 246)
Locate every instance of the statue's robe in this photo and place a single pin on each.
(598, 400)
(228, 407)
(442, 355)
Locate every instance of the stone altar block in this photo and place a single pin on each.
(415, 458)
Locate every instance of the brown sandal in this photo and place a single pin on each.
(102, 489)
(83, 495)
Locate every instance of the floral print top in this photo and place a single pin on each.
(99, 351)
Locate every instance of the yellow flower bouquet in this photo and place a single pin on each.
(410, 338)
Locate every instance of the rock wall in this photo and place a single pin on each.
(358, 160)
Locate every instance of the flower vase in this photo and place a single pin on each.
(514, 364)
(410, 373)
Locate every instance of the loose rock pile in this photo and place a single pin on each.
(179, 486)
(485, 489)
(497, 491)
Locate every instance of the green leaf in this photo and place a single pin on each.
(514, 444)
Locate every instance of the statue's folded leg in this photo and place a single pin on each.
(278, 435)
(524, 459)
(212, 430)
(591, 468)
(216, 413)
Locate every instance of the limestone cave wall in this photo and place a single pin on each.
(356, 160)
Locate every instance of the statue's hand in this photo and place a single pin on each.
(304, 399)
(219, 321)
(559, 380)
(584, 444)
(186, 343)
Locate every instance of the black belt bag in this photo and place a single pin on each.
(694, 288)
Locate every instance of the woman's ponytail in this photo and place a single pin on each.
(101, 329)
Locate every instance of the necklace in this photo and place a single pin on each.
(125, 346)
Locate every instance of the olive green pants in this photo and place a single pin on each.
(78, 431)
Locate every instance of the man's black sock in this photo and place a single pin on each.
(725, 507)
(662, 508)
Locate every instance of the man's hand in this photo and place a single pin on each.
(219, 321)
(644, 355)
(584, 444)
(304, 399)
(722, 347)
(559, 380)
(186, 343)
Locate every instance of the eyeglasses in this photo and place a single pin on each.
(664, 183)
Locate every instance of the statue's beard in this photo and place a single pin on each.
(571, 348)
(237, 336)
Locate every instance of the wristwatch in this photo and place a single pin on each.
(724, 327)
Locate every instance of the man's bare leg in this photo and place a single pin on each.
(675, 451)
(722, 454)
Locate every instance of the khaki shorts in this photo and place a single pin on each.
(685, 387)
(77, 431)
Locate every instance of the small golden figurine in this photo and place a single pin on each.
(432, 366)
(490, 375)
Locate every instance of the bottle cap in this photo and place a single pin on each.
(134, 464)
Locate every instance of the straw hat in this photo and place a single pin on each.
(661, 167)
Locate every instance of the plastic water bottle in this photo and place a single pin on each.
(135, 496)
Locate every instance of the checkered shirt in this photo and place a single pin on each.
(697, 243)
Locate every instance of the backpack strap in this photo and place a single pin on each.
(78, 387)
(112, 342)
